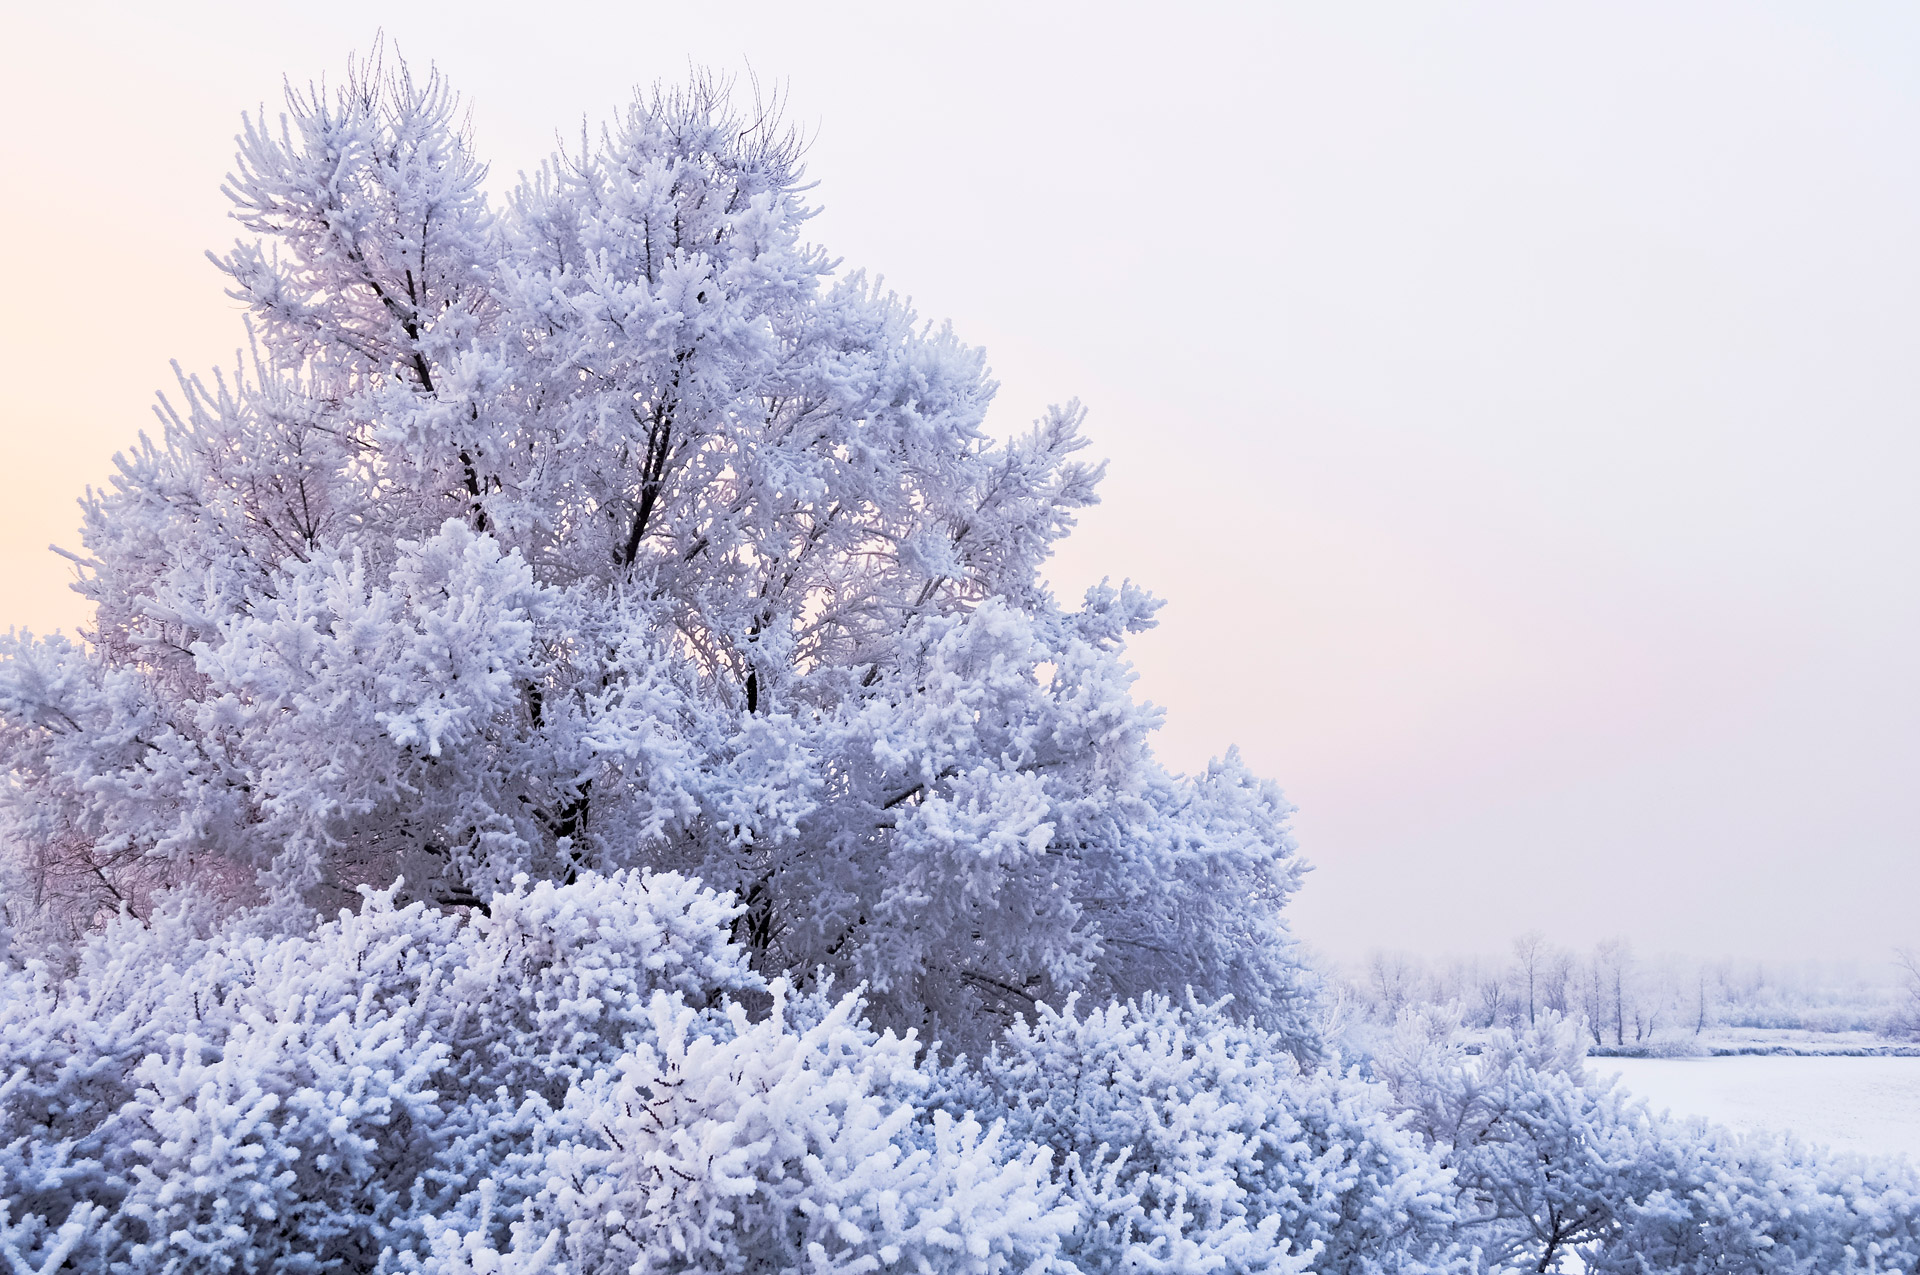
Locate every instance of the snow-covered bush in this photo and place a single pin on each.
(586, 1077)
(1555, 1167)
(564, 1081)
(240, 1099)
(1765, 1205)
(553, 983)
(777, 1147)
(1542, 1156)
(1196, 1144)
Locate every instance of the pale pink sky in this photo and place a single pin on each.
(1516, 404)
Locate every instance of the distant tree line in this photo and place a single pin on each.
(1629, 1003)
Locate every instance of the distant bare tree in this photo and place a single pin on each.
(1593, 997)
(1557, 978)
(1530, 952)
(1907, 1017)
(1393, 975)
(1491, 982)
(1613, 962)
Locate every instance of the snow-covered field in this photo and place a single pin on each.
(1870, 1105)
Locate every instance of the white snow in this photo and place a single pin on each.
(1869, 1105)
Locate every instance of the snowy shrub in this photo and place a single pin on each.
(776, 1148)
(1197, 1144)
(1676, 1047)
(69, 1048)
(552, 983)
(576, 1079)
(264, 1095)
(1542, 1157)
(1765, 1205)
(253, 1100)
(1555, 1168)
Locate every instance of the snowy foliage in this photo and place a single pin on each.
(609, 526)
(238, 1096)
(777, 1147)
(590, 1078)
(1196, 1144)
(1556, 1168)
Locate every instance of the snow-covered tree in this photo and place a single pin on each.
(612, 525)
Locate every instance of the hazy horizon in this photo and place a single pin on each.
(1515, 407)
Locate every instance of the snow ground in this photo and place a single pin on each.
(1788, 1040)
(1763, 1040)
(1869, 1105)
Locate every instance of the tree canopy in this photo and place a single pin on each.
(610, 525)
